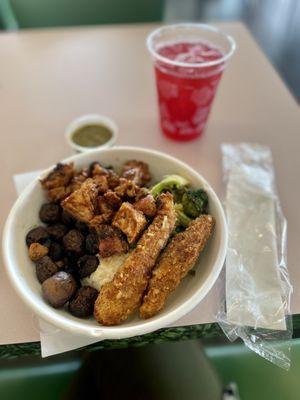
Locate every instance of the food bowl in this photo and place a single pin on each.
(24, 216)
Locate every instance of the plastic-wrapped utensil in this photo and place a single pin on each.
(255, 304)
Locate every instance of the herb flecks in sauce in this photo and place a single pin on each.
(92, 135)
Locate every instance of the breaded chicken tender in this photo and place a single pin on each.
(81, 203)
(119, 298)
(176, 260)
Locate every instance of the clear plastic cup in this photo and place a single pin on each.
(189, 60)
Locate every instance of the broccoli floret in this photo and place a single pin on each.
(189, 203)
(172, 183)
(182, 218)
(195, 202)
(178, 193)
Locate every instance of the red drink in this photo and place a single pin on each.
(185, 95)
(187, 75)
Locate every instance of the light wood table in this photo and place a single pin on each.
(49, 77)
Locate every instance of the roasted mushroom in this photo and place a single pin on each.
(59, 288)
(50, 213)
(87, 264)
(82, 305)
(37, 235)
(73, 243)
(45, 268)
(57, 231)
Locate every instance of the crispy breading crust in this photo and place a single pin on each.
(176, 260)
(122, 296)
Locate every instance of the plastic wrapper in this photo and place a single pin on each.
(255, 299)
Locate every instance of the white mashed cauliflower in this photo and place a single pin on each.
(105, 271)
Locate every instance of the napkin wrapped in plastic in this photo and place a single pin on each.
(255, 302)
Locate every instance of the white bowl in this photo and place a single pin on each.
(24, 216)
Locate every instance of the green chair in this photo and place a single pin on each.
(168, 371)
(7, 18)
(256, 378)
(36, 379)
(18, 14)
(164, 371)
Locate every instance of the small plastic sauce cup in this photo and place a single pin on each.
(91, 132)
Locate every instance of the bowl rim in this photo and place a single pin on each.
(119, 331)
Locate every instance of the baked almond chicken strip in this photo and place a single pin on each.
(119, 298)
(174, 263)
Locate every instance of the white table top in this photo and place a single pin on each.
(48, 77)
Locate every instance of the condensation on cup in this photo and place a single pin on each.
(189, 60)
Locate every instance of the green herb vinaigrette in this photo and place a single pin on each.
(92, 135)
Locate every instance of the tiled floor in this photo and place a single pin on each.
(275, 24)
